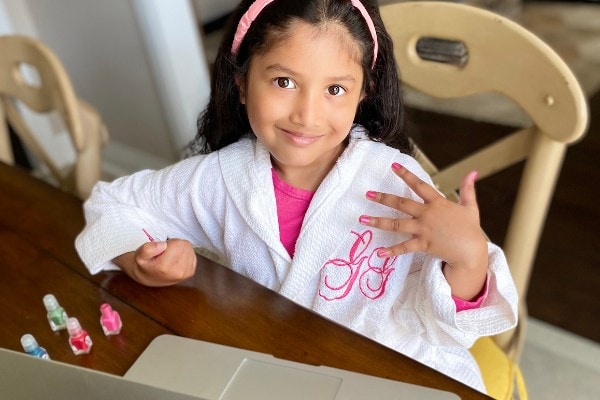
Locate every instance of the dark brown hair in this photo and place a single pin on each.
(381, 111)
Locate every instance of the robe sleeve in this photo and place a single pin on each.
(165, 203)
(436, 308)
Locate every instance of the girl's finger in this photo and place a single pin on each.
(467, 193)
(410, 246)
(407, 206)
(409, 226)
(421, 188)
(150, 250)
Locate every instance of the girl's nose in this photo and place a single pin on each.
(307, 109)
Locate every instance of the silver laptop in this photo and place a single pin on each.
(25, 377)
(213, 371)
(177, 368)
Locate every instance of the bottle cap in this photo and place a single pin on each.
(28, 342)
(105, 309)
(73, 326)
(50, 302)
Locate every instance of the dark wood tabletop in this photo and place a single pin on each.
(38, 226)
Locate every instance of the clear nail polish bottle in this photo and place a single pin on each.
(80, 341)
(57, 317)
(110, 320)
(31, 346)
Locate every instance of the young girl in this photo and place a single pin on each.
(305, 185)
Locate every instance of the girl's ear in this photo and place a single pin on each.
(240, 82)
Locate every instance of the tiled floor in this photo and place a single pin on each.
(559, 365)
(572, 29)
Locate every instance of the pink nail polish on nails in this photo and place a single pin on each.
(383, 253)
(396, 166)
(364, 219)
(371, 194)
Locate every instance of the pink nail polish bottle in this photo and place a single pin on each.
(110, 320)
(80, 341)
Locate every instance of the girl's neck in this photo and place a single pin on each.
(307, 177)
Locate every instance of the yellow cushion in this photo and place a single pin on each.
(501, 376)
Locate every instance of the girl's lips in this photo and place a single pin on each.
(300, 139)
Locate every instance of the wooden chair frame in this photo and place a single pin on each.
(503, 57)
(54, 94)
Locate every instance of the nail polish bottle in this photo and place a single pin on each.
(110, 320)
(80, 341)
(57, 317)
(30, 345)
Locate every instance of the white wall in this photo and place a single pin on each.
(6, 25)
(209, 10)
(14, 17)
(139, 62)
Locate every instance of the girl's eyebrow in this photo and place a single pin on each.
(287, 71)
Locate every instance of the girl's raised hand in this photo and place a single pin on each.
(440, 227)
(160, 263)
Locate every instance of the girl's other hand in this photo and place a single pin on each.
(438, 226)
(160, 263)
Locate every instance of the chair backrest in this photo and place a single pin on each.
(486, 52)
(52, 92)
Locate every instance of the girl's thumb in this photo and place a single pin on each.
(157, 248)
(467, 195)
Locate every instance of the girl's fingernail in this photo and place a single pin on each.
(364, 219)
(371, 194)
(383, 253)
(474, 175)
(396, 166)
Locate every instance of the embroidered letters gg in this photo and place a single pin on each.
(339, 276)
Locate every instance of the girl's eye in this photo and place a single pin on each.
(285, 83)
(336, 90)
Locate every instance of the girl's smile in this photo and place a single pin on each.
(301, 139)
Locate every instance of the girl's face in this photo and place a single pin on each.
(301, 97)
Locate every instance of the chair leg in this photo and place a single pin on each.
(6, 154)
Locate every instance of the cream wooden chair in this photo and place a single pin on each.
(480, 52)
(52, 94)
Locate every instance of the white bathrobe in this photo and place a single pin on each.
(224, 202)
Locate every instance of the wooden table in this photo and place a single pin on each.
(38, 225)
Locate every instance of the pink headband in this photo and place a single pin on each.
(259, 5)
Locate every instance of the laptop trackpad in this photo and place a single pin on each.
(262, 380)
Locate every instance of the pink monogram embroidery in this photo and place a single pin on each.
(338, 283)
